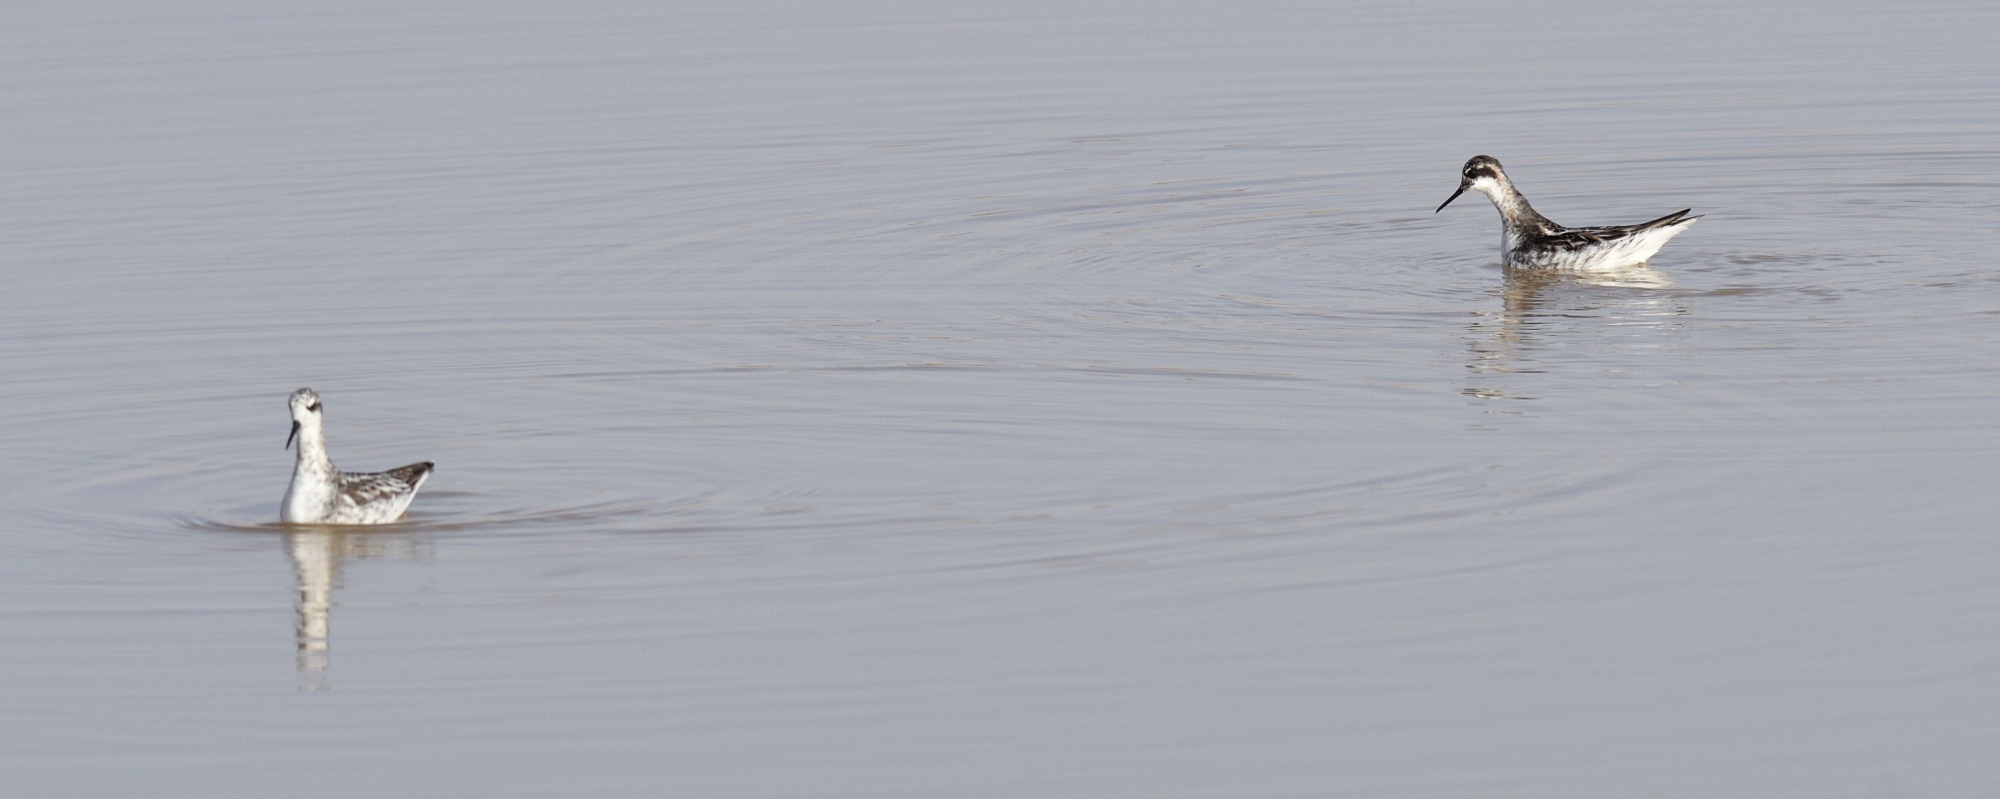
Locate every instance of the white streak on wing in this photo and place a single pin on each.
(1624, 252)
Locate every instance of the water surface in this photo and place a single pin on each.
(886, 400)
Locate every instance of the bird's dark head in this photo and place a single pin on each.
(1482, 166)
(1482, 173)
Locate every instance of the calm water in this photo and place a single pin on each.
(884, 400)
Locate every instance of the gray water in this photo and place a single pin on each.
(881, 399)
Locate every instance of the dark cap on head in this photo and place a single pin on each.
(1482, 166)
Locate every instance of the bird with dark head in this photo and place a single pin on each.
(1529, 240)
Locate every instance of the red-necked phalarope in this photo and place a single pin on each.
(321, 494)
(1529, 240)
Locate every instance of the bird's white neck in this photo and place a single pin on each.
(1514, 208)
(312, 449)
(1518, 219)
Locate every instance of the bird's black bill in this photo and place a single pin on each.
(1454, 196)
(293, 434)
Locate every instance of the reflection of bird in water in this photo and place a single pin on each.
(321, 494)
(1532, 241)
(315, 559)
(317, 553)
(1534, 304)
